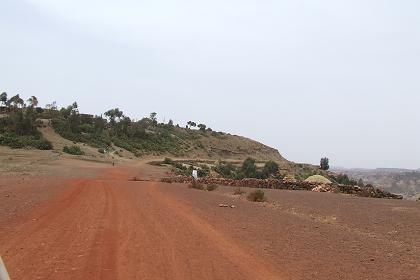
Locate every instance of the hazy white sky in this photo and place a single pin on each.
(311, 78)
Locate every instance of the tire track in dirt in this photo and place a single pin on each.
(117, 229)
(252, 267)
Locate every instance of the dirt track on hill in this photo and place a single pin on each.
(113, 228)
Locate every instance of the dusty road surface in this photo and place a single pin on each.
(105, 226)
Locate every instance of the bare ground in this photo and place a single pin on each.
(87, 220)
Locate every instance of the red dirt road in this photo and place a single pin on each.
(113, 228)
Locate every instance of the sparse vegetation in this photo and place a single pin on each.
(18, 129)
(211, 187)
(196, 185)
(257, 196)
(238, 191)
(226, 170)
(73, 150)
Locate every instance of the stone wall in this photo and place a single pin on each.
(367, 191)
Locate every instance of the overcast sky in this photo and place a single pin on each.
(311, 78)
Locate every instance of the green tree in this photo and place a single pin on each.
(3, 98)
(202, 127)
(153, 117)
(15, 101)
(249, 168)
(51, 106)
(33, 101)
(270, 168)
(114, 115)
(325, 163)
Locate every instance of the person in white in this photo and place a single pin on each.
(195, 174)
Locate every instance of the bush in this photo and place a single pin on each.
(225, 169)
(73, 150)
(168, 161)
(196, 185)
(238, 191)
(101, 150)
(257, 196)
(43, 144)
(211, 187)
(17, 142)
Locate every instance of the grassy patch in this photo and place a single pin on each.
(73, 150)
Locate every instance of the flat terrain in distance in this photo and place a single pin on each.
(69, 219)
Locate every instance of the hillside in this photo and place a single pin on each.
(114, 136)
(23, 125)
(401, 181)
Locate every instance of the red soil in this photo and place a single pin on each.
(112, 228)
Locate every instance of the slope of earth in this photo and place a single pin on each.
(228, 146)
(94, 223)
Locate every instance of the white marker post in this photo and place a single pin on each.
(3, 272)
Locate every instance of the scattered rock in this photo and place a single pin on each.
(227, 206)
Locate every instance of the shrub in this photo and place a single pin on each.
(17, 142)
(43, 144)
(238, 191)
(225, 169)
(73, 150)
(101, 150)
(257, 196)
(196, 185)
(168, 161)
(211, 187)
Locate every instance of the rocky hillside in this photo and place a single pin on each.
(227, 146)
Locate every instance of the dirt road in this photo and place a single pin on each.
(113, 228)
(116, 229)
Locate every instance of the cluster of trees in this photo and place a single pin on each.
(248, 169)
(143, 136)
(18, 128)
(201, 127)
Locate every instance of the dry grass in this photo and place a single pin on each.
(318, 179)
(257, 196)
(238, 191)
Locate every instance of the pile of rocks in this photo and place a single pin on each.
(368, 191)
(326, 188)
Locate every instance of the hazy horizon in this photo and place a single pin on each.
(310, 78)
